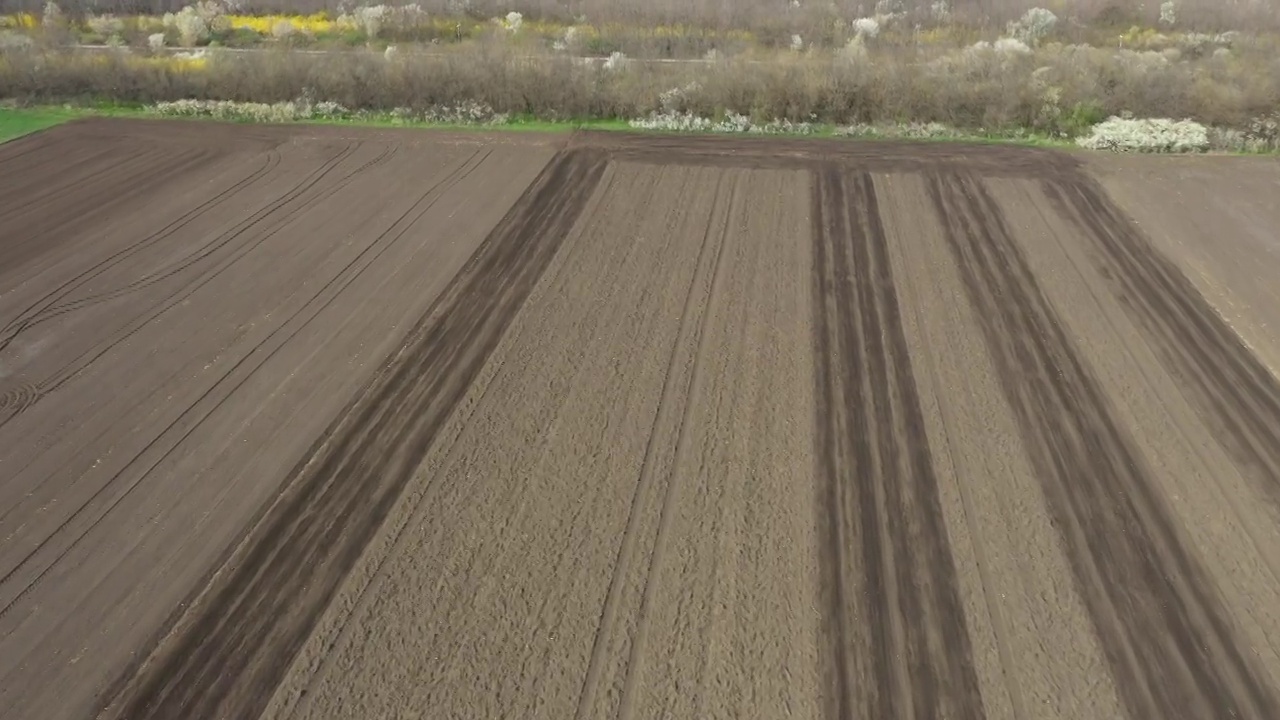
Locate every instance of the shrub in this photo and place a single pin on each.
(368, 19)
(867, 28)
(672, 121)
(303, 109)
(194, 24)
(1010, 45)
(53, 18)
(105, 26)
(467, 112)
(14, 42)
(1034, 25)
(615, 61)
(855, 51)
(732, 122)
(1148, 135)
(911, 131)
(1054, 88)
(283, 30)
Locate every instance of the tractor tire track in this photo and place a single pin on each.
(202, 252)
(610, 631)
(219, 394)
(33, 315)
(70, 369)
(138, 168)
(897, 643)
(20, 182)
(697, 311)
(29, 315)
(30, 144)
(26, 220)
(1225, 380)
(227, 655)
(1169, 641)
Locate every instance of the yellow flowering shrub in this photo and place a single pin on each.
(19, 21)
(315, 24)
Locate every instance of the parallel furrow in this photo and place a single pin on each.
(1165, 632)
(226, 387)
(33, 226)
(238, 243)
(1228, 383)
(897, 639)
(231, 649)
(46, 305)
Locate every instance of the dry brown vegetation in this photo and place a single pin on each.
(1201, 15)
(1053, 89)
(966, 65)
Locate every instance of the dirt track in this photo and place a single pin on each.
(358, 424)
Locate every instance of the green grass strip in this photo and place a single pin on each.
(516, 123)
(16, 122)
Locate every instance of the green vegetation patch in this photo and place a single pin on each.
(16, 122)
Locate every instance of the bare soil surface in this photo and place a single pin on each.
(168, 361)
(1190, 208)
(326, 423)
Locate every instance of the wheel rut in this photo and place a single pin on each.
(227, 654)
(1166, 635)
(1229, 384)
(897, 643)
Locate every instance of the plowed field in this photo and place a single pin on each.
(330, 423)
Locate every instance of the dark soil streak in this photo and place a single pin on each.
(228, 653)
(898, 644)
(1231, 387)
(807, 153)
(1163, 629)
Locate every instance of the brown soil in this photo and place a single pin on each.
(326, 423)
(165, 371)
